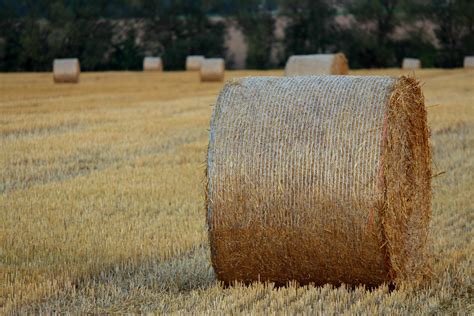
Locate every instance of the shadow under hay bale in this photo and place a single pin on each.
(411, 63)
(152, 64)
(66, 70)
(319, 64)
(469, 62)
(193, 63)
(212, 69)
(321, 179)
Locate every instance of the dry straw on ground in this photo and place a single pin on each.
(469, 62)
(193, 63)
(411, 63)
(101, 201)
(66, 70)
(320, 64)
(323, 179)
(152, 64)
(212, 69)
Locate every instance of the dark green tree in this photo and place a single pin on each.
(415, 44)
(10, 27)
(36, 32)
(179, 28)
(33, 55)
(257, 23)
(311, 27)
(375, 22)
(126, 54)
(371, 40)
(79, 29)
(454, 20)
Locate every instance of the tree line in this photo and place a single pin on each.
(117, 34)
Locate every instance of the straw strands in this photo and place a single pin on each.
(321, 179)
(152, 64)
(212, 69)
(411, 63)
(84, 176)
(320, 64)
(66, 70)
(193, 63)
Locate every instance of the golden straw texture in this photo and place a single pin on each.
(194, 62)
(411, 63)
(320, 64)
(212, 69)
(152, 64)
(469, 62)
(319, 179)
(66, 70)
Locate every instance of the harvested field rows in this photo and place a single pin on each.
(102, 200)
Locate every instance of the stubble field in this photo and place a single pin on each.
(102, 201)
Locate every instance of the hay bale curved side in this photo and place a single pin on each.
(323, 179)
(152, 64)
(193, 63)
(411, 63)
(212, 69)
(319, 64)
(66, 70)
(469, 62)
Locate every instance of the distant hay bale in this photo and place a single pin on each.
(152, 64)
(66, 70)
(212, 69)
(320, 64)
(194, 62)
(469, 62)
(411, 63)
(319, 179)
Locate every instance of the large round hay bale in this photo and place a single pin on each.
(469, 62)
(66, 70)
(323, 179)
(152, 64)
(212, 69)
(411, 63)
(320, 64)
(193, 63)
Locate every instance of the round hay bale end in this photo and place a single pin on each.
(212, 69)
(411, 63)
(193, 63)
(152, 64)
(320, 64)
(66, 70)
(469, 62)
(319, 179)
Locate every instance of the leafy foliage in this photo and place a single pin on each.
(454, 29)
(116, 34)
(311, 27)
(258, 26)
(182, 29)
(88, 30)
